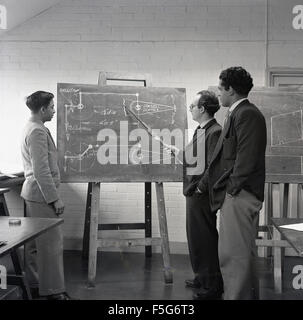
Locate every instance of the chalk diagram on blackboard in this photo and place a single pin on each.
(286, 142)
(83, 160)
(88, 112)
(287, 129)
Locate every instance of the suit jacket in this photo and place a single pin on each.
(39, 155)
(238, 161)
(212, 134)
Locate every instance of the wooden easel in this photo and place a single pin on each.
(276, 209)
(91, 242)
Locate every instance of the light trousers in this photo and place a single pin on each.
(239, 216)
(44, 255)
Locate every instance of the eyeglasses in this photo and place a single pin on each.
(192, 106)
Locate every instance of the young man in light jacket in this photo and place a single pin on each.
(44, 256)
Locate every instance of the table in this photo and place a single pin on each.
(293, 237)
(16, 236)
(11, 182)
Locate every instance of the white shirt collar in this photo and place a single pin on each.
(235, 104)
(204, 123)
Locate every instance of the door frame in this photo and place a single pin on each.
(275, 72)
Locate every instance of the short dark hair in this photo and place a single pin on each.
(38, 99)
(237, 78)
(209, 101)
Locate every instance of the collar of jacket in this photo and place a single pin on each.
(209, 124)
(36, 121)
(237, 106)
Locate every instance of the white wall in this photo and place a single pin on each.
(182, 43)
(18, 11)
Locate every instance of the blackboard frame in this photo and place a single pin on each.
(146, 173)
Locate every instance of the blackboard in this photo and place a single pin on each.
(282, 109)
(97, 127)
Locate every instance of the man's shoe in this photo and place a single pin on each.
(59, 296)
(193, 284)
(208, 295)
(35, 293)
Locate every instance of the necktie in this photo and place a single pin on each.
(226, 118)
(195, 133)
(225, 127)
(191, 148)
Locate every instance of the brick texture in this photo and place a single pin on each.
(182, 43)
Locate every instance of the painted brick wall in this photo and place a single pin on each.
(182, 43)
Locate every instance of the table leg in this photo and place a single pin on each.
(19, 278)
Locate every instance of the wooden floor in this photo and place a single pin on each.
(129, 276)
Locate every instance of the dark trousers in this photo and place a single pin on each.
(202, 237)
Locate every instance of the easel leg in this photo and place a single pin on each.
(267, 214)
(277, 236)
(93, 245)
(148, 217)
(163, 232)
(300, 200)
(284, 197)
(279, 209)
(293, 201)
(85, 244)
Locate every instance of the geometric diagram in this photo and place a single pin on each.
(78, 110)
(143, 108)
(283, 112)
(78, 118)
(284, 159)
(138, 155)
(84, 158)
(287, 129)
(104, 132)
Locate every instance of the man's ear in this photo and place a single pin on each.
(202, 109)
(231, 91)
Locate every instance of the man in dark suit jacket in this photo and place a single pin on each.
(201, 228)
(235, 179)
